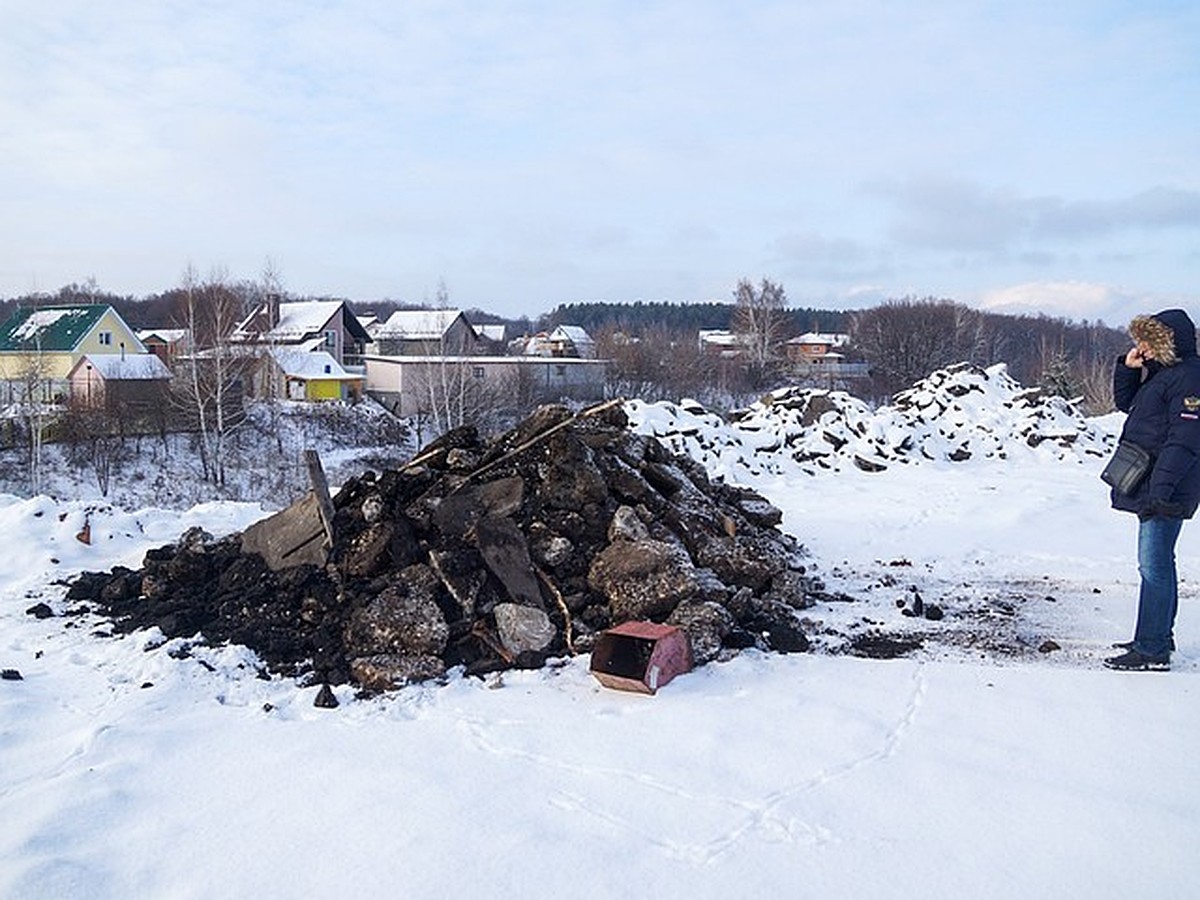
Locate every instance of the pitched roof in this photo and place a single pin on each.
(51, 329)
(131, 367)
(316, 365)
(490, 332)
(299, 320)
(417, 324)
(817, 337)
(166, 335)
(576, 334)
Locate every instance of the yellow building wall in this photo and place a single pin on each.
(121, 333)
(18, 366)
(324, 390)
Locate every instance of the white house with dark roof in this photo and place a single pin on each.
(424, 332)
(310, 325)
(325, 330)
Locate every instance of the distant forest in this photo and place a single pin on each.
(682, 317)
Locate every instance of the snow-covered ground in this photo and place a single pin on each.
(961, 770)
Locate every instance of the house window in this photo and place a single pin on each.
(477, 371)
(331, 339)
(105, 338)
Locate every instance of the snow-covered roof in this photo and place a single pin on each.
(314, 365)
(417, 324)
(166, 335)
(720, 337)
(576, 334)
(299, 320)
(490, 332)
(50, 329)
(833, 339)
(127, 367)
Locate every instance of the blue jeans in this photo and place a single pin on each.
(1158, 598)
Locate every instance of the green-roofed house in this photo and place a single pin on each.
(40, 346)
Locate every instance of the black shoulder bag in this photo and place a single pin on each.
(1127, 468)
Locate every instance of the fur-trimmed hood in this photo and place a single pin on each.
(1171, 334)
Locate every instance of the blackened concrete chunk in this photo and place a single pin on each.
(643, 579)
(404, 619)
(775, 624)
(456, 514)
(706, 625)
(523, 628)
(503, 548)
(389, 671)
(548, 548)
(370, 552)
(627, 526)
(503, 497)
(744, 560)
(462, 574)
(570, 478)
(791, 587)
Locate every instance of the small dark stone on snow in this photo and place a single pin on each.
(40, 611)
(11, 675)
(325, 698)
(1048, 647)
(934, 613)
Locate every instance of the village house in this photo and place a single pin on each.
(39, 347)
(421, 355)
(565, 341)
(408, 385)
(166, 343)
(815, 347)
(136, 383)
(424, 332)
(325, 329)
(721, 343)
(489, 339)
(314, 375)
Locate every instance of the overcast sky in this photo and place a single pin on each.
(1016, 154)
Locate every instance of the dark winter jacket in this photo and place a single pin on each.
(1162, 399)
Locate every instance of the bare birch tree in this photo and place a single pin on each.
(209, 384)
(759, 320)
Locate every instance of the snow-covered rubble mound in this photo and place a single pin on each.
(956, 414)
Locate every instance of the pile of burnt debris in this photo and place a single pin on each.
(485, 554)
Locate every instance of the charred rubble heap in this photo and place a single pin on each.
(489, 555)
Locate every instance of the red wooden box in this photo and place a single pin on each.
(640, 656)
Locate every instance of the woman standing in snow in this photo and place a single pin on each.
(1158, 384)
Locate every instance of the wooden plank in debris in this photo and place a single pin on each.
(320, 488)
(302, 533)
(291, 537)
